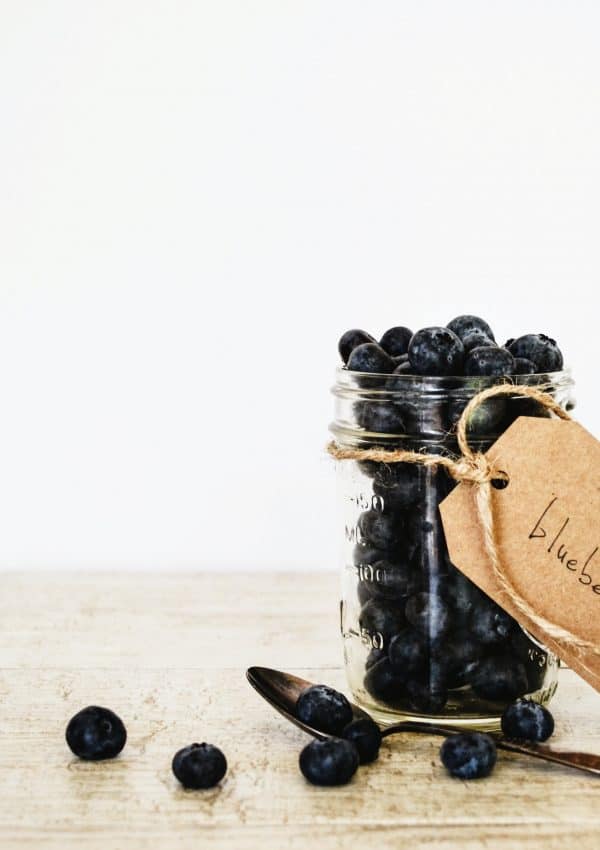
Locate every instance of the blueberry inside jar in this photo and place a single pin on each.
(421, 640)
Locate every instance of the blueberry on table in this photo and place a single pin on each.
(407, 652)
(468, 755)
(365, 734)
(370, 357)
(500, 678)
(543, 351)
(324, 709)
(96, 733)
(475, 339)
(490, 360)
(383, 683)
(382, 617)
(395, 340)
(330, 762)
(527, 720)
(383, 530)
(465, 325)
(429, 614)
(199, 766)
(436, 351)
(523, 366)
(351, 340)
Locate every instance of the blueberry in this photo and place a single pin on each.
(382, 530)
(364, 591)
(365, 734)
(418, 527)
(458, 657)
(380, 417)
(351, 340)
(369, 357)
(324, 709)
(199, 766)
(489, 360)
(398, 484)
(400, 359)
(365, 553)
(532, 657)
(475, 339)
(486, 420)
(468, 755)
(429, 614)
(330, 762)
(461, 594)
(391, 580)
(421, 415)
(368, 467)
(490, 624)
(425, 697)
(436, 351)
(96, 733)
(407, 652)
(373, 657)
(403, 367)
(523, 366)
(500, 678)
(382, 617)
(527, 720)
(395, 341)
(383, 683)
(465, 325)
(543, 352)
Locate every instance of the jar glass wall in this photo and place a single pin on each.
(420, 640)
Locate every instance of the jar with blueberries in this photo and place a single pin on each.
(421, 640)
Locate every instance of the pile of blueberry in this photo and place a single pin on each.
(97, 733)
(335, 760)
(437, 642)
(466, 346)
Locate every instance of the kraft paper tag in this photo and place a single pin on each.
(547, 522)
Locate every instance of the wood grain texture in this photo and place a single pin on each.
(168, 653)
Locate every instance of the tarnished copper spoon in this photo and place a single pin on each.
(282, 690)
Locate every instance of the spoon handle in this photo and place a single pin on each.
(581, 761)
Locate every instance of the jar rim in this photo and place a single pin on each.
(380, 385)
(563, 376)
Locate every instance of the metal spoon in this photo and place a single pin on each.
(282, 690)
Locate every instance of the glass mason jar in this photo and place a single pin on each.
(420, 639)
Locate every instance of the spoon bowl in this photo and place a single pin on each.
(282, 690)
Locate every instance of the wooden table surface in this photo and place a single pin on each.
(168, 654)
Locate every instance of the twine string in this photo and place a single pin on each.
(476, 468)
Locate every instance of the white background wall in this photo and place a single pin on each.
(197, 198)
